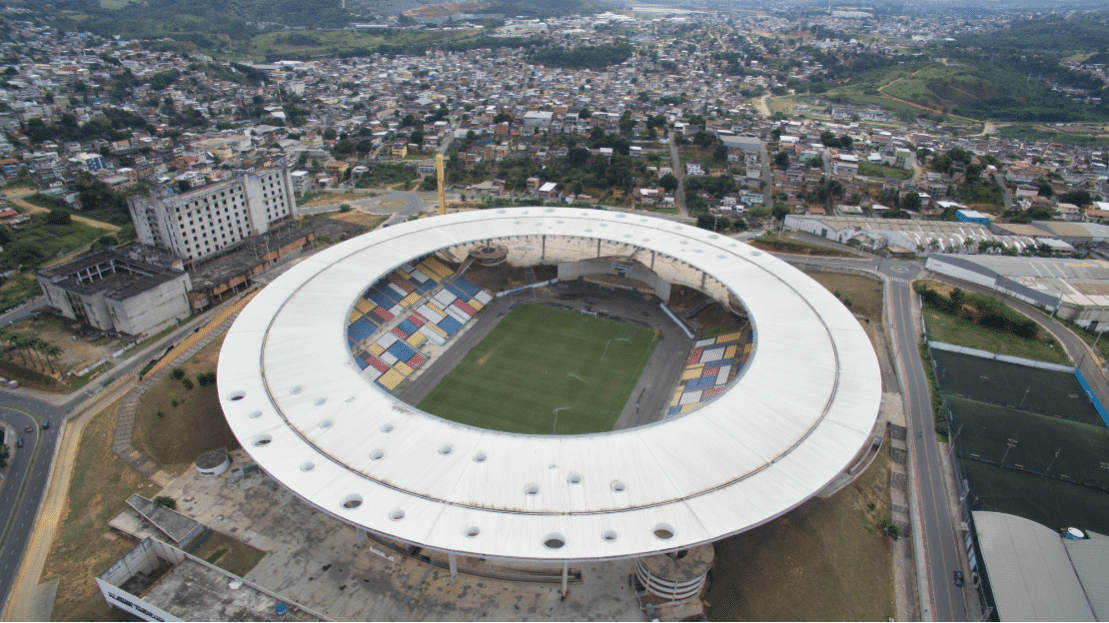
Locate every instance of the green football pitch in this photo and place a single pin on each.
(547, 371)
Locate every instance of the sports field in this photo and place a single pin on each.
(1055, 394)
(544, 370)
(1049, 502)
(986, 430)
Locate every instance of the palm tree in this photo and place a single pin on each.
(51, 351)
(17, 342)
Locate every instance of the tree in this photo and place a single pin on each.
(165, 501)
(780, 211)
(5, 454)
(781, 160)
(57, 217)
(669, 182)
(911, 202)
(1077, 197)
(958, 299)
(502, 117)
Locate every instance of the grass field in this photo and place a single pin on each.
(185, 431)
(546, 371)
(883, 171)
(987, 428)
(827, 560)
(1049, 502)
(1050, 393)
(962, 332)
(84, 545)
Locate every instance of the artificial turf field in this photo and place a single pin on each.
(547, 371)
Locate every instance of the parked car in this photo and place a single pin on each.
(19, 443)
(28, 429)
(12, 383)
(958, 578)
(45, 425)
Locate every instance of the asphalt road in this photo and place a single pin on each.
(31, 463)
(676, 164)
(941, 541)
(35, 459)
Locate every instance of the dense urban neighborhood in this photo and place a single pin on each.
(276, 276)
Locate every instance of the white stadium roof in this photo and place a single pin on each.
(799, 413)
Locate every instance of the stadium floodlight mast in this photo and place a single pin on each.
(1012, 443)
(1057, 452)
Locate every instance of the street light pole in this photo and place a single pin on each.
(1012, 443)
(1053, 460)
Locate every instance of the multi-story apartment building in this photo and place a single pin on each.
(203, 221)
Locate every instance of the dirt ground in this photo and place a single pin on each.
(76, 354)
(185, 431)
(369, 221)
(84, 545)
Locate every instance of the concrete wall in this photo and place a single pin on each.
(568, 271)
(154, 309)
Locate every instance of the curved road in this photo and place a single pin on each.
(28, 472)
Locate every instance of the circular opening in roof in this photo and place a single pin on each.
(377, 454)
(396, 515)
(664, 531)
(236, 395)
(574, 479)
(255, 414)
(445, 449)
(296, 389)
(532, 489)
(386, 428)
(554, 540)
(326, 423)
(319, 401)
(351, 501)
(619, 486)
(307, 466)
(756, 253)
(473, 531)
(261, 440)
(500, 211)
(479, 457)
(609, 535)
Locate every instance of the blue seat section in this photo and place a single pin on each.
(450, 325)
(389, 293)
(705, 381)
(721, 362)
(362, 364)
(401, 351)
(470, 289)
(408, 327)
(379, 299)
(674, 410)
(457, 291)
(426, 286)
(360, 329)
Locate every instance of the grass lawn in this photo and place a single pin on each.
(85, 546)
(863, 293)
(962, 332)
(827, 560)
(546, 371)
(776, 243)
(229, 554)
(878, 170)
(187, 430)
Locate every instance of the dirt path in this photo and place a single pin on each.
(760, 105)
(34, 209)
(914, 104)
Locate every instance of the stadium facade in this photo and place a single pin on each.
(802, 410)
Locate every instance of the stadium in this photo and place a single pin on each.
(306, 372)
